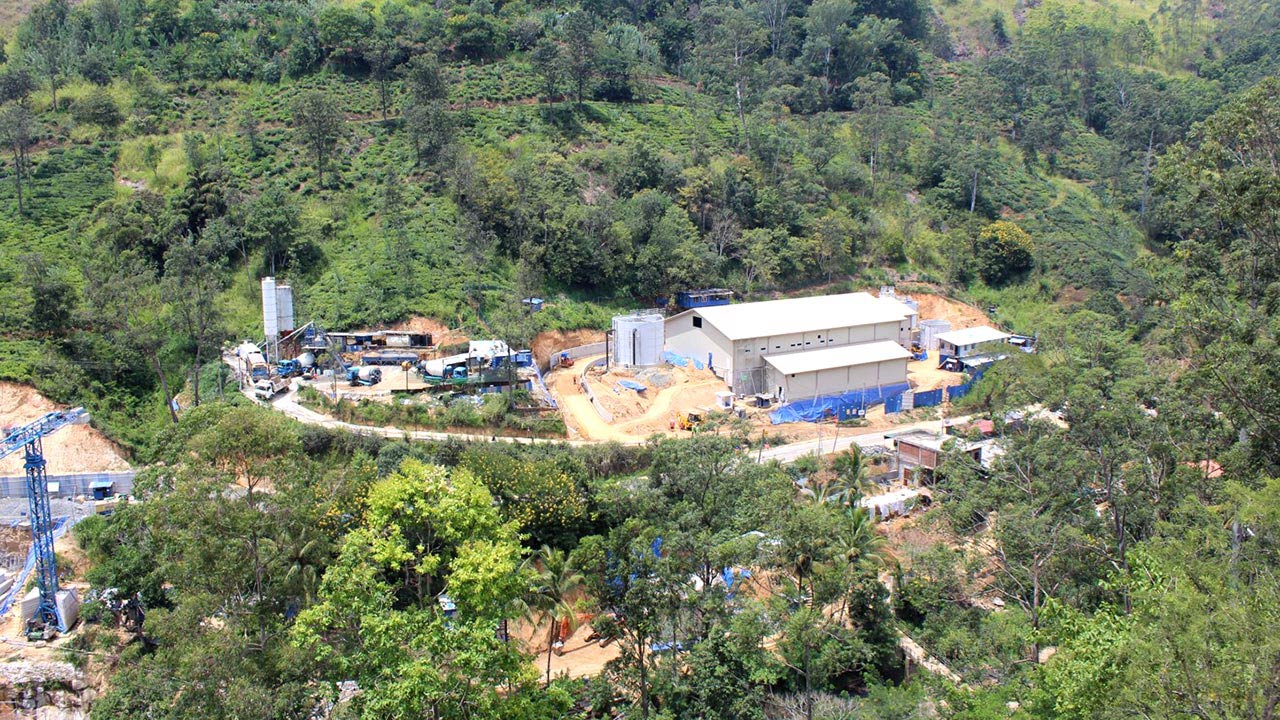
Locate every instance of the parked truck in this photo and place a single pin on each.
(269, 387)
(258, 367)
(364, 375)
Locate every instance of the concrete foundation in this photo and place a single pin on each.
(68, 605)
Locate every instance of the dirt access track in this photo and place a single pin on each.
(636, 416)
(71, 450)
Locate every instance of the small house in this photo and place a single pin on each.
(920, 454)
(969, 342)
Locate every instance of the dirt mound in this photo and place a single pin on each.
(960, 315)
(546, 344)
(73, 449)
(440, 333)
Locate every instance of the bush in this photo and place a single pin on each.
(1001, 252)
(98, 108)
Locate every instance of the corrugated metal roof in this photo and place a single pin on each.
(973, 335)
(837, 357)
(801, 315)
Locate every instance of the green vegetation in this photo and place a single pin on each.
(513, 413)
(1102, 174)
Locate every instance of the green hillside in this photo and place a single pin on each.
(1100, 175)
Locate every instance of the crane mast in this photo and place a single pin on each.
(30, 439)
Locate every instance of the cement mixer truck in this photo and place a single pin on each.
(365, 375)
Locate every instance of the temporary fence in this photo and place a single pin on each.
(843, 406)
(893, 404)
(928, 398)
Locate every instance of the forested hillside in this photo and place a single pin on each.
(1102, 174)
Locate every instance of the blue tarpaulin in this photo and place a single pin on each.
(922, 355)
(848, 404)
(681, 361)
(632, 385)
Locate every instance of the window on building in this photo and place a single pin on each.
(697, 321)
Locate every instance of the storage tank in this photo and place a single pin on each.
(930, 330)
(638, 339)
(284, 308)
(270, 310)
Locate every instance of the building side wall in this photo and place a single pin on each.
(834, 381)
(682, 338)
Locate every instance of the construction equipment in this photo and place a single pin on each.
(689, 420)
(565, 360)
(29, 438)
(364, 375)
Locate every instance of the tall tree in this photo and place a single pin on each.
(17, 132)
(47, 38)
(318, 118)
(577, 30)
(549, 62)
(192, 282)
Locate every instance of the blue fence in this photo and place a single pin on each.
(928, 398)
(893, 404)
(842, 406)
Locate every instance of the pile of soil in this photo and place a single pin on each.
(73, 449)
(546, 344)
(960, 315)
(440, 333)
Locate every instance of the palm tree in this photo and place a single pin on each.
(857, 540)
(555, 581)
(849, 484)
(852, 469)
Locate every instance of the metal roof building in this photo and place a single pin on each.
(965, 343)
(831, 371)
(735, 340)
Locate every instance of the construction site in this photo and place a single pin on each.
(780, 368)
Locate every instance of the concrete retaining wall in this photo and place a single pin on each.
(69, 485)
(576, 353)
(586, 388)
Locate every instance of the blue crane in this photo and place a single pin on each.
(30, 439)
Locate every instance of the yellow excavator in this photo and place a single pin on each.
(689, 420)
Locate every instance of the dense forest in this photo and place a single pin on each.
(1105, 174)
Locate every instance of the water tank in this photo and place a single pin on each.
(930, 330)
(638, 339)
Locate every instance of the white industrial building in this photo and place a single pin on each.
(735, 340)
(835, 370)
(969, 342)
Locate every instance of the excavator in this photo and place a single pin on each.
(689, 420)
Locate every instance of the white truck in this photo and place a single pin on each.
(267, 388)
